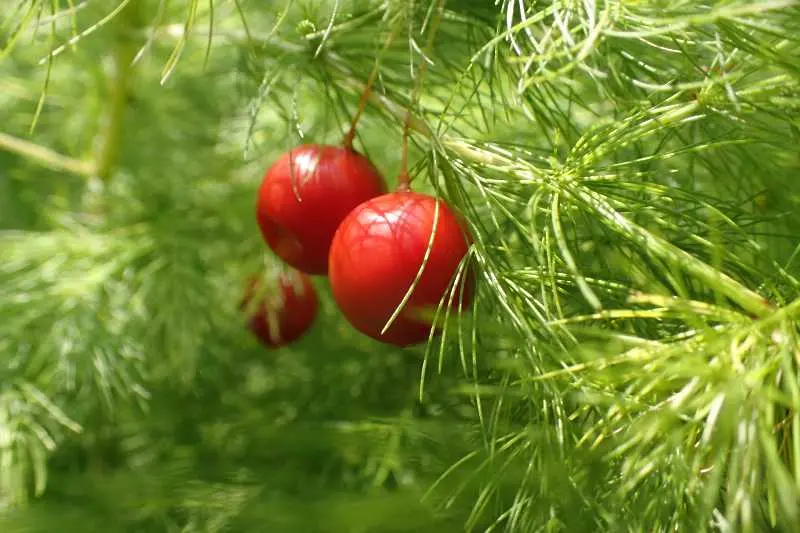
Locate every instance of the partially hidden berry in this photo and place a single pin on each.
(280, 312)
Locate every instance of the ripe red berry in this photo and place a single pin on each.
(283, 312)
(376, 255)
(306, 194)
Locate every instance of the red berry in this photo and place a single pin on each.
(376, 255)
(284, 311)
(305, 195)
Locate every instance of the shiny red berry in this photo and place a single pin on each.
(306, 194)
(280, 312)
(376, 255)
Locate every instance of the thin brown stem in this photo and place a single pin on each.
(362, 103)
(403, 178)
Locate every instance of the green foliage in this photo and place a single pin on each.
(631, 175)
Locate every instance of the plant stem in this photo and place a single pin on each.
(118, 86)
(715, 279)
(743, 296)
(45, 156)
(383, 102)
(362, 103)
(403, 179)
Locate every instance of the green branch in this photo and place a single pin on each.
(118, 86)
(108, 153)
(45, 156)
(719, 281)
(743, 296)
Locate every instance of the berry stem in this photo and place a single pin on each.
(362, 103)
(404, 182)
